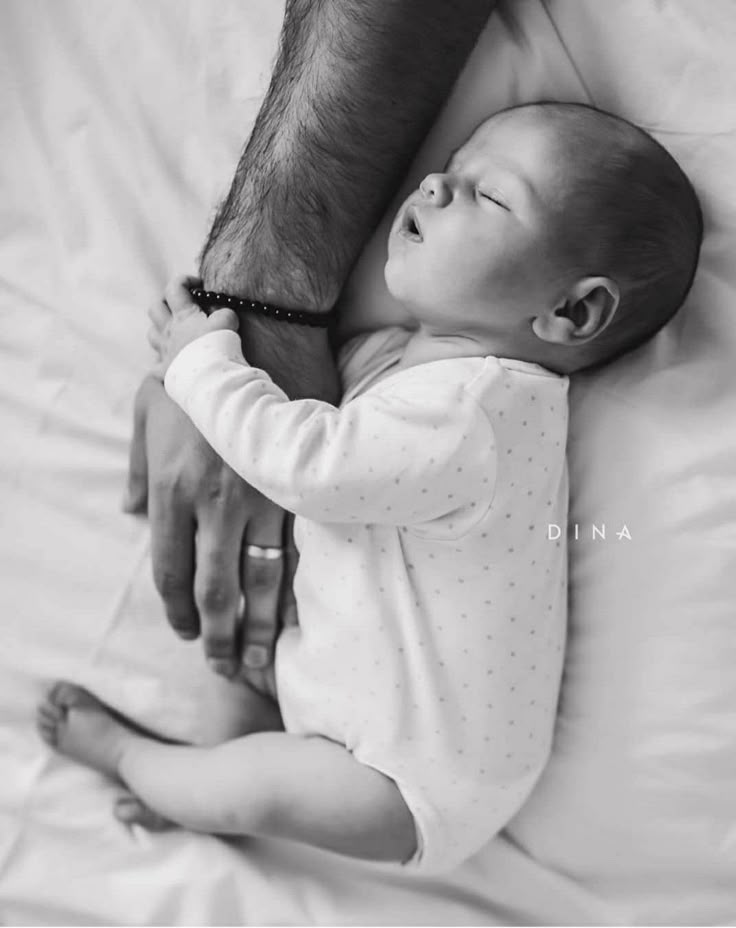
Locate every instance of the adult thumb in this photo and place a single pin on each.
(135, 500)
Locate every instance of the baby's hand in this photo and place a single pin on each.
(177, 321)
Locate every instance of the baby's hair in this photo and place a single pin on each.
(628, 212)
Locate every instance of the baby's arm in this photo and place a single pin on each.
(402, 455)
(273, 784)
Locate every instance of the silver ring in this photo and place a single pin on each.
(264, 554)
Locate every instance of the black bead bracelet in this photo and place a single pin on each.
(205, 298)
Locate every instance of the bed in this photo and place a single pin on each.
(121, 126)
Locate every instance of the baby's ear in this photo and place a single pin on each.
(588, 308)
(595, 301)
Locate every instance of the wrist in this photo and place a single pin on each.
(211, 299)
(298, 358)
(264, 272)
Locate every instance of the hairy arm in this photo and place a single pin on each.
(356, 85)
(355, 88)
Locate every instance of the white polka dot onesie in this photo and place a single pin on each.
(432, 604)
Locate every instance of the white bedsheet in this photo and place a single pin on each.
(121, 125)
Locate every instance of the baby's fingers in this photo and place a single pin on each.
(177, 293)
(160, 315)
(222, 319)
(155, 339)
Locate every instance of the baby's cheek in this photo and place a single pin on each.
(395, 275)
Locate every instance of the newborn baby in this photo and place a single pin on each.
(418, 692)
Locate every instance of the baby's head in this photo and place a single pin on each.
(556, 234)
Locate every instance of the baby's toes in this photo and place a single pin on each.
(47, 723)
(49, 710)
(131, 811)
(65, 695)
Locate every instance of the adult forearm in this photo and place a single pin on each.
(356, 85)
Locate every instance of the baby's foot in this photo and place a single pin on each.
(77, 724)
(131, 811)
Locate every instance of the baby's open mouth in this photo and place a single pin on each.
(410, 226)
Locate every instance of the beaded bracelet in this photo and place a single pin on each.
(297, 316)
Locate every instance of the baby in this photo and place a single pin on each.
(418, 692)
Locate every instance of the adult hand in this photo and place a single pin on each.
(287, 236)
(203, 516)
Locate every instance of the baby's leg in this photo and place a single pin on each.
(271, 783)
(260, 713)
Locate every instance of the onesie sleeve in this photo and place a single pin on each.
(415, 452)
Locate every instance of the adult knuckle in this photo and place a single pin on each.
(213, 490)
(223, 494)
(167, 483)
(214, 599)
(257, 656)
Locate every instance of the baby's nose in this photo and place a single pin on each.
(435, 188)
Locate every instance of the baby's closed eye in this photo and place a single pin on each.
(495, 197)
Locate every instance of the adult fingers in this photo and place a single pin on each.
(172, 552)
(217, 577)
(287, 608)
(136, 495)
(262, 569)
